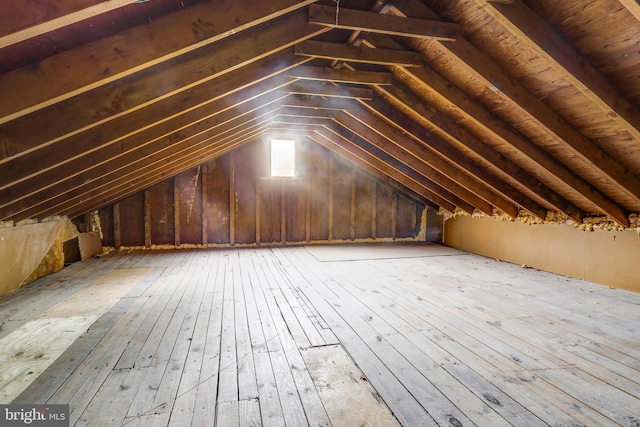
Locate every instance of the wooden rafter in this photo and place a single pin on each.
(452, 132)
(472, 110)
(340, 141)
(329, 141)
(328, 90)
(540, 36)
(136, 49)
(478, 65)
(407, 152)
(115, 99)
(22, 20)
(357, 20)
(632, 6)
(327, 74)
(343, 52)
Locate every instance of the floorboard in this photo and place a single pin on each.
(253, 336)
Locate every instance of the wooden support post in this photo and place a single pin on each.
(147, 218)
(232, 200)
(117, 240)
(394, 216)
(176, 211)
(331, 171)
(353, 204)
(203, 190)
(374, 211)
(283, 213)
(258, 208)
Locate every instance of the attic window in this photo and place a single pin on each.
(283, 158)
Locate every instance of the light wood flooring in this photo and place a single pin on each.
(224, 337)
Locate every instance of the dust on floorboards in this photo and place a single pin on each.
(240, 337)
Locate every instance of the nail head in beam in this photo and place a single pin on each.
(341, 76)
(328, 90)
(358, 20)
(342, 52)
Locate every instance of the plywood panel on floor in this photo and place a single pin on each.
(240, 336)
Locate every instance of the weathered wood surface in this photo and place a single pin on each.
(442, 338)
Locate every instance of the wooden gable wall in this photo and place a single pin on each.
(231, 201)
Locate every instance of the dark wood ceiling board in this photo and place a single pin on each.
(113, 189)
(345, 155)
(459, 136)
(401, 172)
(491, 128)
(633, 7)
(343, 52)
(152, 85)
(117, 157)
(196, 104)
(413, 154)
(399, 116)
(308, 72)
(349, 19)
(342, 146)
(539, 36)
(612, 176)
(128, 52)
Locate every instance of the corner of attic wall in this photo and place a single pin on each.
(31, 250)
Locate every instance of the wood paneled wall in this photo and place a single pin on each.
(232, 201)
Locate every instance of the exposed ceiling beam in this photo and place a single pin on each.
(407, 152)
(454, 133)
(113, 188)
(327, 90)
(22, 20)
(327, 74)
(111, 101)
(318, 103)
(343, 52)
(169, 114)
(531, 29)
(478, 65)
(331, 142)
(120, 55)
(133, 151)
(358, 20)
(467, 109)
(443, 148)
(347, 145)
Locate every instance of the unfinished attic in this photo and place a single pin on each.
(340, 212)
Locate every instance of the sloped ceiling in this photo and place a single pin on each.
(474, 105)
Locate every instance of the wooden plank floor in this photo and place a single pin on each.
(223, 337)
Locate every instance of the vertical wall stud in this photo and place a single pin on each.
(374, 211)
(176, 211)
(283, 212)
(232, 200)
(394, 216)
(353, 204)
(204, 170)
(331, 171)
(147, 218)
(117, 241)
